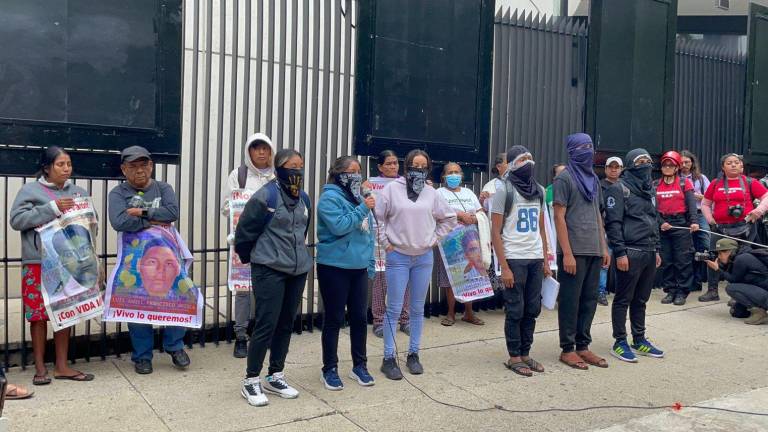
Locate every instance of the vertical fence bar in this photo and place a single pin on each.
(347, 73)
(258, 84)
(281, 74)
(271, 35)
(294, 66)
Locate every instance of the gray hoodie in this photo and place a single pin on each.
(35, 205)
(158, 198)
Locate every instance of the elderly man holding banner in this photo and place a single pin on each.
(149, 284)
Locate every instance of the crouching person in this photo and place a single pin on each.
(747, 276)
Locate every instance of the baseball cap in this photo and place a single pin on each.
(133, 153)
(726, 245)
(613, 159)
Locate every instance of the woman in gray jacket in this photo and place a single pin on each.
(36, 204)
(271, 236)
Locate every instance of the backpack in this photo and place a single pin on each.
(748, 187)
(510, 199)
(243, 249)
(272, 192)
(242, 176)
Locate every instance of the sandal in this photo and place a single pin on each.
(80, 376)
(519, 368)
(534, 365)
(592, 358)
(474, 321)
(39, 380)
(16, 392)
(573, 360)
(448, 322)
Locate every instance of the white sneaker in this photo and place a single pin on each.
(275, 383)
(251, 391)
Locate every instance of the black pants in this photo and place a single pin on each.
(522, 305)
(677, 259)
(339, 288)
(633, 289)
(748, 295)
(577, 302)
(276, 295)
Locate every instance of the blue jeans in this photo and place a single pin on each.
(602, 287)
(402, 270)
(143, 340)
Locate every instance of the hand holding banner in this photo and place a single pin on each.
(463, 259)
(69, 266)
(239, 278)
(150, 283)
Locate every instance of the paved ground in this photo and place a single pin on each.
(710, 357)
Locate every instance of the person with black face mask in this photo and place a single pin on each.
(271, 236)
(344, 262)
(632, 226)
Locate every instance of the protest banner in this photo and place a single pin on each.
(69, 266)
(239, 278)
(463, 260)
(150, 283)
(377, 184)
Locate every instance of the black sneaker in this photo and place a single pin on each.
(413, 364)
(180, 359)
(143, 367)
(241, 348)
(679, 300)
(711, 295)
(602, 299)
(390, 369)
(668, 299)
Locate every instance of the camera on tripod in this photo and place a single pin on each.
(705, 256)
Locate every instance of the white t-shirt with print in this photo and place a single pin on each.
(463, 200)
(521, 236)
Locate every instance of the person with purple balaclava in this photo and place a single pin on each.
(581, 251)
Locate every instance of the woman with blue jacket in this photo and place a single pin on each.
(344, 258)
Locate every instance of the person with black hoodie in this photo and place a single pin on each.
(271, 236)
(632, 227)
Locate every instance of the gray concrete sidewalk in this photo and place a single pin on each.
(709, 356)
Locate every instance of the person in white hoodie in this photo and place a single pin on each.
(256, 171)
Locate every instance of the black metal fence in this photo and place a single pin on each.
(538, 85)
(709, 101)
(285, 67)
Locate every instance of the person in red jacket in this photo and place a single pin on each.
(676, 204)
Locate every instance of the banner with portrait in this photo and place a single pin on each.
(462, 256)
(69, 266)
(150, 283)
(239, 278)
(380, 255)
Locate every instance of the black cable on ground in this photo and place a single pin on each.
(676, 407)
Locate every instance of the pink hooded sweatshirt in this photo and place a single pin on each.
(412, 228)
